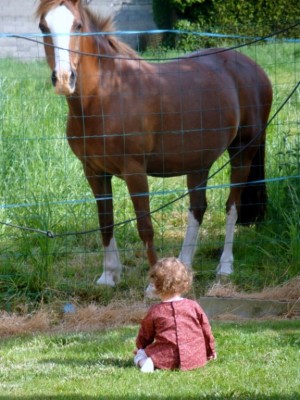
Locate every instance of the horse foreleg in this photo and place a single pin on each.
(190, 241)
(197, 209)
(225, 267)
(112, 266)
(137, 184)
(102, 189)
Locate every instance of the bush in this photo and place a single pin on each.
(162, 13)
(195, 40)
(251, 18)
(264, 16)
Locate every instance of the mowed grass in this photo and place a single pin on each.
(256, 361)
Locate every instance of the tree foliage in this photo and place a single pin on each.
(245, 17)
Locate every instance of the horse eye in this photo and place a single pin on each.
(78, 27)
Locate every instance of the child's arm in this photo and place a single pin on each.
(146, 333)
(207, 333)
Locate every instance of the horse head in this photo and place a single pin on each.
(72, 55)
(61, 23)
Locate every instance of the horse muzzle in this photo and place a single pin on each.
(64, 81)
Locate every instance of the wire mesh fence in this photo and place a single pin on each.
(50, 237)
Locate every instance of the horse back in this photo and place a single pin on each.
(204, 99)
(247, 76)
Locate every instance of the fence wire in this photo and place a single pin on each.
(44, 193)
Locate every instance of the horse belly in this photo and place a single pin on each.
(182, 153)
(194, 131)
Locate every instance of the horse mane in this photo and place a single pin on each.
(98, 23)
(94, 23)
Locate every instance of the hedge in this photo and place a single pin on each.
(245, 17)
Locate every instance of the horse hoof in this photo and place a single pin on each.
(106, 280)
(224, 269)
(150, 292)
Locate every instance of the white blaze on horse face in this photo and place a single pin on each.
(190, 241)
(60, 21)
(112, 266)
(225, 266)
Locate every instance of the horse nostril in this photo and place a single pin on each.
(54, 78)
(73, 78)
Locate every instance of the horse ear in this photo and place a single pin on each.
(83, 2)
(80, 3)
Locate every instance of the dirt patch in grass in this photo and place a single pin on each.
(77, 318)
(93, 317)
(12, 324)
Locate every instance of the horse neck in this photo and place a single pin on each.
(102, 75)
(97, 67)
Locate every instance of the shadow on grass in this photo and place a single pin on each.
(101, 362)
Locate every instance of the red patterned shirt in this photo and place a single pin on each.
(176, 334)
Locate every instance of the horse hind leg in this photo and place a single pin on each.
(239, 175)
(225, 267)
(242, 207)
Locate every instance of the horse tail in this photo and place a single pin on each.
(254, 196)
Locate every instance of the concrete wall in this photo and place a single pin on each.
(17, 16)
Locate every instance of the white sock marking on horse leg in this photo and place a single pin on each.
(190, 241)
(112, 266)
(225, 266)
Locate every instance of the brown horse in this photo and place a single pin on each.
(131, 118)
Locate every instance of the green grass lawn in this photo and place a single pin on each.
(256, 361)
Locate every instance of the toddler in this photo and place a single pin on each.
(176, 332)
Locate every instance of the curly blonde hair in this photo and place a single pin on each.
(170, 276)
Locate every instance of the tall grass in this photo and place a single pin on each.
(42, 186)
